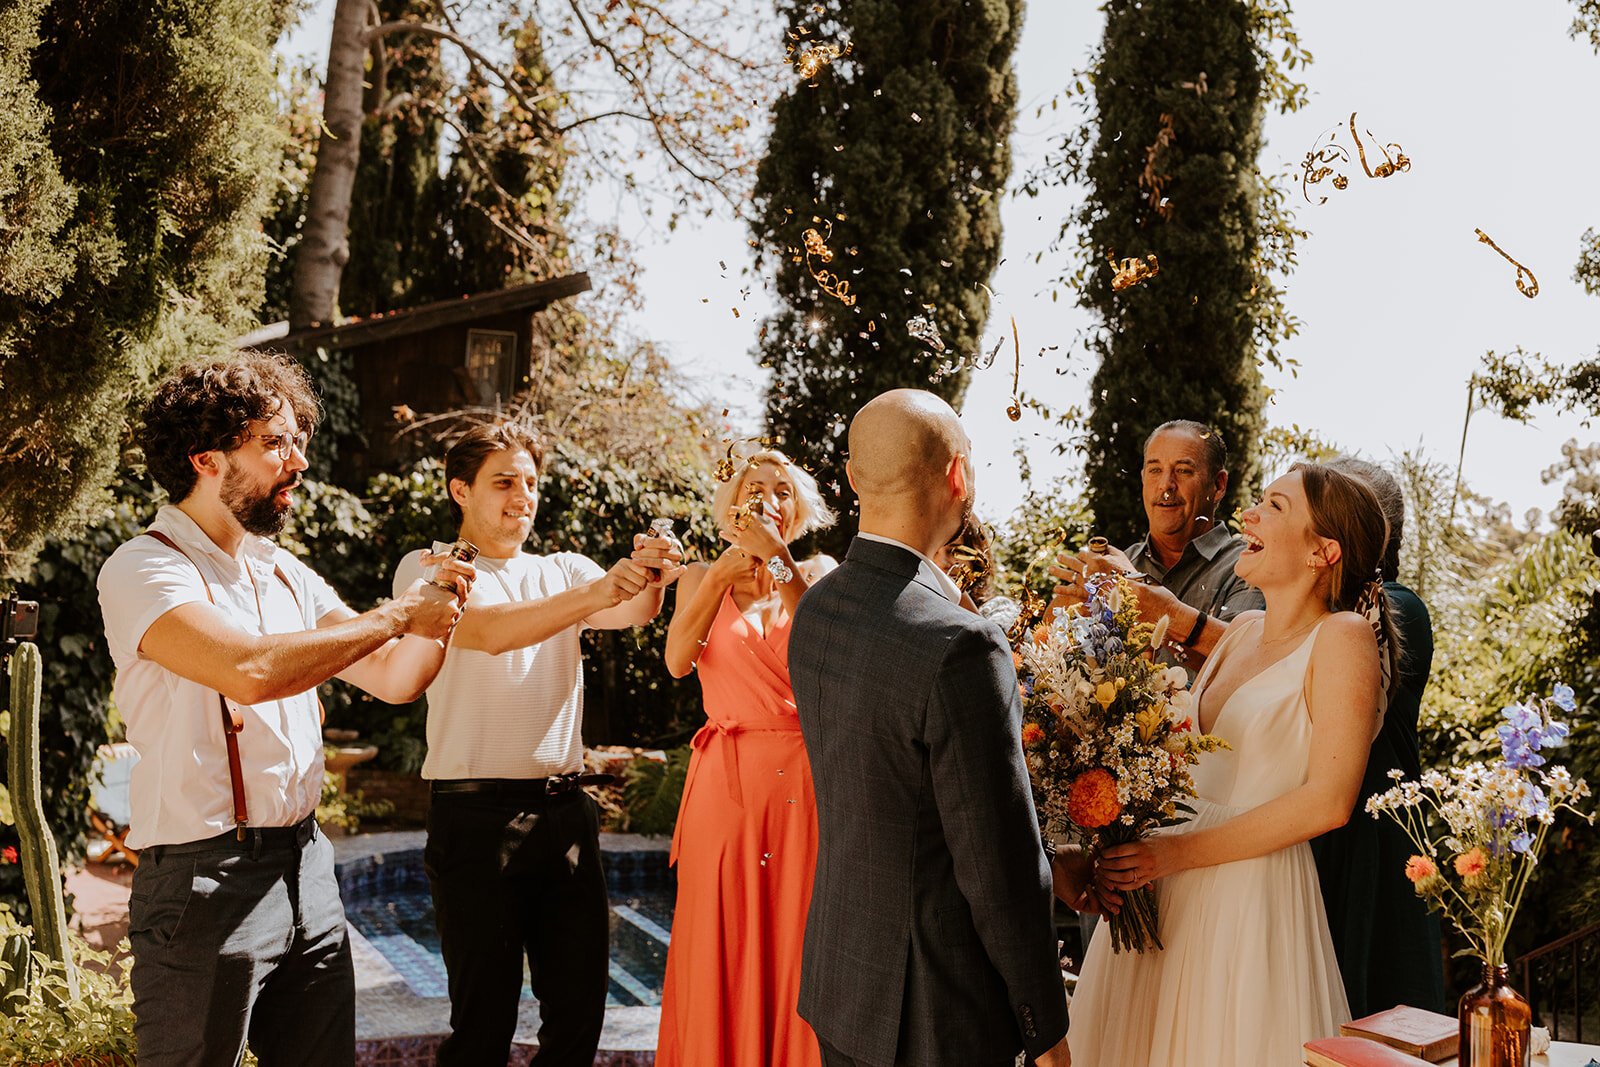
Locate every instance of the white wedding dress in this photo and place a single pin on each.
(1249, 972)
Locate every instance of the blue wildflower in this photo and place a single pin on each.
(1561, 696)
(1522, 842)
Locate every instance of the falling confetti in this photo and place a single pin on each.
(925, 330)
(1529, 288)
(1014, 411)
(811, 61)
(1132, 271)
(816, 247)
(1321, 160)
(1399, 163)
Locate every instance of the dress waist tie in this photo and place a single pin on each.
(730, 759)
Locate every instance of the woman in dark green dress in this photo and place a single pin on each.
(1386, 940)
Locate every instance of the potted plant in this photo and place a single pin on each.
(1479, 830)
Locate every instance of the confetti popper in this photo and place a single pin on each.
(1132, 271)
(1529, 288)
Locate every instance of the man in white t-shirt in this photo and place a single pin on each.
(220, 639)
(513, 853)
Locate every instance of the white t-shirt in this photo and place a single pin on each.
(180, 790)
(518, 714)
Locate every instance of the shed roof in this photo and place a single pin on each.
(359, 332)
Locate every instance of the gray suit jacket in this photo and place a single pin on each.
(930, 939)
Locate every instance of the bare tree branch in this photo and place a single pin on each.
(479, 61)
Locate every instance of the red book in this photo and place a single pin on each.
(1355, 1052)
(1428, 1034)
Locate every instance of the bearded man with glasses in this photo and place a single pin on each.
(220, 639)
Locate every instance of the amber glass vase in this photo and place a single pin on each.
(1495, 1023)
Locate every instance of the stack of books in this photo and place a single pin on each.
(1399, 1037)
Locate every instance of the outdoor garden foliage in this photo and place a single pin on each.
(897, 154)
(1175, 97)
(132, 143)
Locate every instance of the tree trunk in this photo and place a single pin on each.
(324, 248)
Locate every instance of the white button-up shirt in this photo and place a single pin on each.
(928, 571)
(180, 789)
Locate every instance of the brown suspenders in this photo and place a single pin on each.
(232, 721)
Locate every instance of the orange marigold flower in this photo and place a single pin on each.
(1032, 733)
(1470, 865)
(1092, 800)
(1420, 867)
(1016, 659)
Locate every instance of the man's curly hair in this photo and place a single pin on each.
(203, 407)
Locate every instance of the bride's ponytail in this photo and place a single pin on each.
(1374, 606)
(1344, 508)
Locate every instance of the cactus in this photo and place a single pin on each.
(16, 957)
(41, 868)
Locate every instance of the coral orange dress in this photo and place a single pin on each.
(745, 848)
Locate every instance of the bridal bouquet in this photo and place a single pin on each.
(1479, 829)
(1108, 734)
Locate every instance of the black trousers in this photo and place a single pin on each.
(513, 878)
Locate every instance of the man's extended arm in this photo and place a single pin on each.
(197, 641)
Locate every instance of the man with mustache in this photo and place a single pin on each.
(1186, 559)
(220, 639)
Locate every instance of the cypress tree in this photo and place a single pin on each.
(525, 154)
(896, 154)
(143, 132)
(1179, 90)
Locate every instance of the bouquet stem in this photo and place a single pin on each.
(1134, 928)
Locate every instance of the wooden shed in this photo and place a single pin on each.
(471, 352)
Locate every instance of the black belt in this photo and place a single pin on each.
(256, 839)
(519, 788)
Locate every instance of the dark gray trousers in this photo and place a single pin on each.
(242, 940)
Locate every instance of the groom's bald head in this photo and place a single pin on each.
(901, 444)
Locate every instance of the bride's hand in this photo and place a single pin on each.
(1133, 866)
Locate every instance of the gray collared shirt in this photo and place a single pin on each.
(1203, 577)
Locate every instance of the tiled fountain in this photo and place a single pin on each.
(402, 1008)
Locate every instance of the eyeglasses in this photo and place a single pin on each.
(283, 443)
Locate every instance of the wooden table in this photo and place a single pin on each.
(1561, 1054)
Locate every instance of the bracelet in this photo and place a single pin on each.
(1199, 628)
(780, 573)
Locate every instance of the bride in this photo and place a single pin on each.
(1297, 691)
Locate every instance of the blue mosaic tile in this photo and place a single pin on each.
(386, 898)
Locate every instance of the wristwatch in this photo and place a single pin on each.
(1199, 628)
(781, 574)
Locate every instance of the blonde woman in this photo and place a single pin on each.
(746, 840)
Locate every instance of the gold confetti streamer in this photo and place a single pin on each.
(816, 246)
(1132, 271)
(1321, 160)
(1529, 288)
(1399, 163)
(1318, 165)
(1014, 412)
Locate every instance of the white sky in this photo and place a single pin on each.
(1492, 102)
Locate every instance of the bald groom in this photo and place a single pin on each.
(929, 940)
